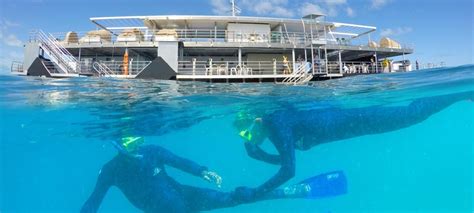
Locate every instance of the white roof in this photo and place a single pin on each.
(221, 22)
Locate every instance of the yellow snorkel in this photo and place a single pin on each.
(247, 133)
(131, 144)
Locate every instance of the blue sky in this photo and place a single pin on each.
(439, 30)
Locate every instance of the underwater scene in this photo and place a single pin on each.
(399, 142)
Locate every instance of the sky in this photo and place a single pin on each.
(438, 30)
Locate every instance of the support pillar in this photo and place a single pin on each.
(340, 62)
(376, 63)
(240, 57)
(294, 60)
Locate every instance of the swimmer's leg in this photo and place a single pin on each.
(421, 109)
(167, 198)
(201, 199)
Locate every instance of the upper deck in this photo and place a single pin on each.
(225, 32)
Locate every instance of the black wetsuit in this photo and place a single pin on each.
(147, 186)
(289, 130)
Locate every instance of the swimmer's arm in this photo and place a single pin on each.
(257, 153)
(287, 169)
(180, 163)
(102, 186)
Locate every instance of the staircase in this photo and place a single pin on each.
(301, 76)
(102, 69)
(59, 55)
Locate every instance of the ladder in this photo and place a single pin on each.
(59, 55)
(102, 69)
(301, 76)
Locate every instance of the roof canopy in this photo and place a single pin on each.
(221, 22)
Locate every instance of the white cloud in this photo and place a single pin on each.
(335, 2)
(262, 7)
(377, 4)
(395, 32)
(9, 45)
(350, 12)
(268, 7)
(7, 59)
(330, 8)
(12, 40)
(286, 8)
(310, 8)
(220, 7)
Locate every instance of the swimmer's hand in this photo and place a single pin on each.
(212, 177)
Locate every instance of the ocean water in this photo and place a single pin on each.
(55, 133)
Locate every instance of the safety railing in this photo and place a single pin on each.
(233, 68)
(363, 67)
(102, 69)
(301, 76)
(146, 37)
(116, 68)
(16, 67)
(57, 53)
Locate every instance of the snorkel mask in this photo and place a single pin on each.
(129, 145)
(246, 134)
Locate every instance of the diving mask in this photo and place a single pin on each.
(131, 144)
(247, 133)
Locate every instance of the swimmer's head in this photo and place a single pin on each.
(254, 133)
(129, 145)
(243, 120)
(248, 126)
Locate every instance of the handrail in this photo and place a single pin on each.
(301, 75)
(102, 69)
(57, 52)
(220, 35)
(111, 68)
(16, 66)
(230, 67)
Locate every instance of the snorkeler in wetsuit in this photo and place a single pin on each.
(139, 172)
(291, 129)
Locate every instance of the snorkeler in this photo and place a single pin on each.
(139, 172)
(288, 130)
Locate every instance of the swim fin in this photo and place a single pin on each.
(320, 186)
(325, 185)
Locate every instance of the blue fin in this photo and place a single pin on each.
(326, 185)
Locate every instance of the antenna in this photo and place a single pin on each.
(235, 10)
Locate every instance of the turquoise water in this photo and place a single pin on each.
(55, 133)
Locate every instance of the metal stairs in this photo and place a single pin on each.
(60, 56)
(102, 69)
(302, 76)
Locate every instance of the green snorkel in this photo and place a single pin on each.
(247, 133)
(129, 145)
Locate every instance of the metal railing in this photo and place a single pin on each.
(362, 67)
(301, 76)
(116, 68)
(245, 68)
(57, 53)
(146, 37)
(102, 69)
(192, 35)
(16, 66)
